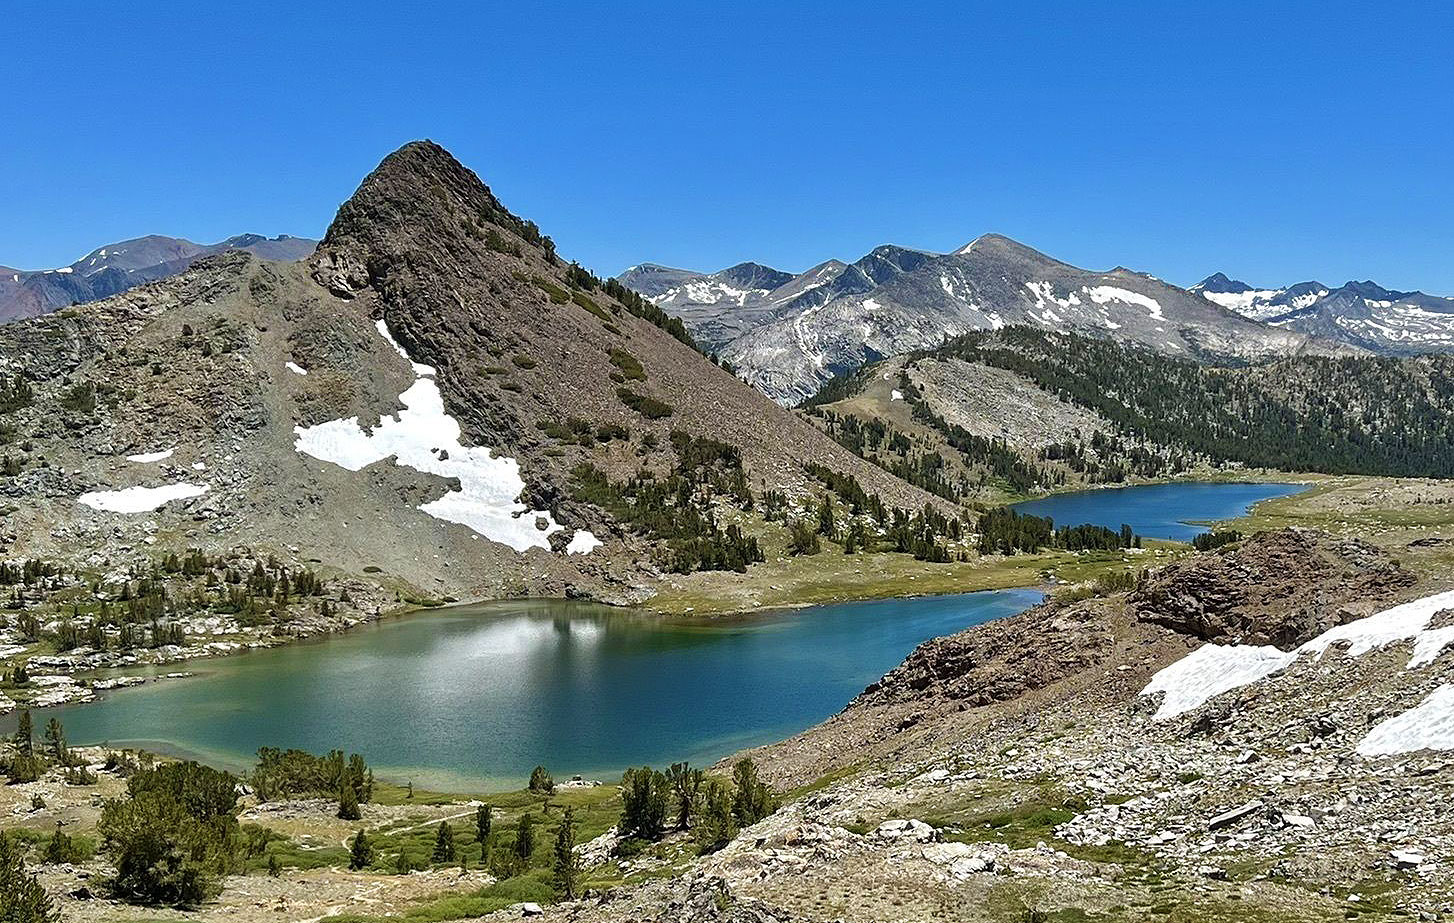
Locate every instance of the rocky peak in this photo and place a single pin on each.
(1219, 282)
(419, 204)
(754, 276)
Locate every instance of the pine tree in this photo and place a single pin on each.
(540, 781)
(483, 822)
(444, 844)
(24, 734)
(752, 801)
(55, 737)
(567, 865)
(525, 840)
(348, 802)
(686, 783)
(361, 852)
(715, 825)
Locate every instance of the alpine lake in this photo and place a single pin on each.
(469, 698)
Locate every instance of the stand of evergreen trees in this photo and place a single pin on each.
(1003, 530)
(1340, 415)
(653, 803)
(282, 774)
(680, 509)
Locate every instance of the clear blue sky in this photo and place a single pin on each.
(1314, 140)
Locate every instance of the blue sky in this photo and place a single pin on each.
(1276, 142)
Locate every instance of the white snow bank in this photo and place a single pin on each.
(297, 369)
(1214, 668)
(1401, 623)
(139, 499)
(146, 457)
(896, 395)
(583, 542)
(1211, 670)
(1101, 294)
(424, 437)
(1427, 726)
(419, 367)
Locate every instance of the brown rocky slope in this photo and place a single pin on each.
(211, 364)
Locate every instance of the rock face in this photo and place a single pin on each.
(1280, 588)
(835, 317)
(114, 268)
(1001, 660)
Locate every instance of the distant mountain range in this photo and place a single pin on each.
(114, 268)
(1360, 314)
(788, 334)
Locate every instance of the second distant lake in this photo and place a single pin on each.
(1172, 511)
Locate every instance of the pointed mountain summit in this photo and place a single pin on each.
(434, 373)
(1218, 282)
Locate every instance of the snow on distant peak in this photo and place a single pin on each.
(1104, 294)
(424, 437)
(1215, 668)
(1241, 302)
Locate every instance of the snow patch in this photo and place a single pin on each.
(1214, 668)
(1104, 294)
(1211, 670)
(583, 542)
(419, 367)
(296, 369)
(1427, 726)
(424, 437)
(148, 457)
(896, 395)
(139, 499)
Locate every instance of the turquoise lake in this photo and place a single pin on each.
(1171, 511)
(471, 697)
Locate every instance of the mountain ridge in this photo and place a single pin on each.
(895, 299)
(113, 268)
(1361, 314)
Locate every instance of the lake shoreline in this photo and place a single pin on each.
(82, 689)
(574, 686)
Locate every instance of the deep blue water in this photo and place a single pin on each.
(1169, 511)
(473, 697)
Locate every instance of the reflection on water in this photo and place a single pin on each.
(475, 696)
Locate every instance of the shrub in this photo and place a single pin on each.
(22, 899)
(629, 365)
(647, 406)
(174, 834)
